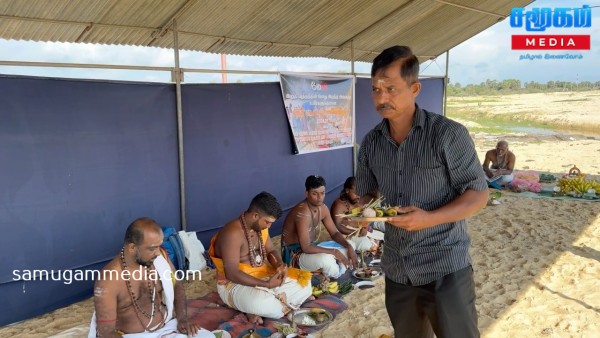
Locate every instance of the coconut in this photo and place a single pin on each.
(369, 212)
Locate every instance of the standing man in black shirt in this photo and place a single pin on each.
(427, 164)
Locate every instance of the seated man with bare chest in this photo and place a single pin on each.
(136, 294)
(251, 276)
(298, 240)
(499, 163)
(347, 201)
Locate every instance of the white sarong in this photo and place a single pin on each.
(327, 263)
(169, 331)
(257, 301)
(363, 243)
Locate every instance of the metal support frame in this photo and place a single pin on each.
(178, 74)
(153, 68)
(499, 16)
(446, 81)
(80, 65)
(354, 145)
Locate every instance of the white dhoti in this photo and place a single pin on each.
(363, 243)
(505, 179)
(327, 263)
(169, 331)
(264, 303)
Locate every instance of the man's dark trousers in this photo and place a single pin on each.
(445, 306)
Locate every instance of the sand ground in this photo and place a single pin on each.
(567, 109)
(536, 261)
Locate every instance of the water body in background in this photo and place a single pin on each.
(533, 131)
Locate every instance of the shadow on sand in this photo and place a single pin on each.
(530, 236)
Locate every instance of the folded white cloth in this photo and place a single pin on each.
(193, 250)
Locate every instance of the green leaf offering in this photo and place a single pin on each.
(495, 195)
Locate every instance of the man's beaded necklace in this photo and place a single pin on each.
(136, 306)
(313, 227)
(348, 207)
(256, 259)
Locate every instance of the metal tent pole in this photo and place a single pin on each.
(352, 56)
(354, 150)
(446, 82)
(177, 77)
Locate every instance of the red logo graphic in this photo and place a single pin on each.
(321, 86)
(551, 42)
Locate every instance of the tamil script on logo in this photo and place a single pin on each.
(538, 19)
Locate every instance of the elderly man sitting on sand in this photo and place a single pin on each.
(136, 294)
(502, 163)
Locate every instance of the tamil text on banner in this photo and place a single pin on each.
(320, 110)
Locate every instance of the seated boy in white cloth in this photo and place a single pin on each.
(137, 296)
(298, 240)
(499, 164)
(251, 276)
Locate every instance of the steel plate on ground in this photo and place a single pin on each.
(311, 317)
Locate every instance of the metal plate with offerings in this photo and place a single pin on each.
(367, 273)
(371, 212)
(311, 317)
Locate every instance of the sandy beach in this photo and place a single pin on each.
(536, 261)
(570, 110)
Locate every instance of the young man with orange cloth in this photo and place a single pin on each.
(245, 282)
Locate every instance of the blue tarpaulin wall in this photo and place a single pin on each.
(430, 98)
(81, 159)
(237, 143)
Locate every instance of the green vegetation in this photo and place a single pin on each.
(513, 86)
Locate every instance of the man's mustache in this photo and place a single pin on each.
(384, 106)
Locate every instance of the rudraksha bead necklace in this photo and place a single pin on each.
(152, 291)
(256, 259)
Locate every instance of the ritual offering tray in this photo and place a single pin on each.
(360, 217)
(369, 219)
(371, 212)
(367, 273)
(311, 317)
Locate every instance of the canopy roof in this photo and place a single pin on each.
(292, 28)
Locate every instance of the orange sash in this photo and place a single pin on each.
(261, 272)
